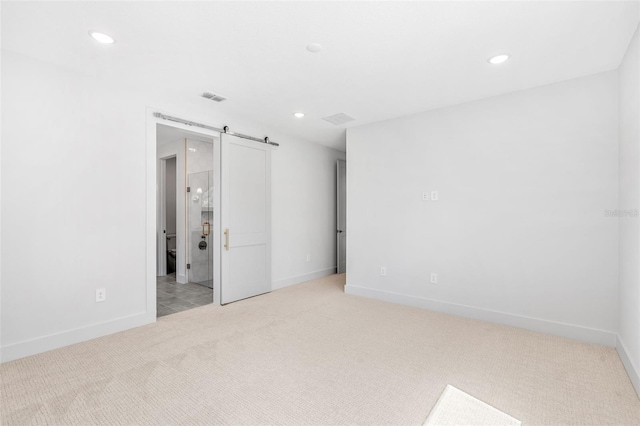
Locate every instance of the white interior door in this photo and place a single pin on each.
(245, 218)
(341, 216)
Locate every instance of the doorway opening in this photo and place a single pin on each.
(185, 220)
(341, 216)
(223, 214)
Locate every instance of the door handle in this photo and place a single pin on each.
(226, 239)
(339, 231)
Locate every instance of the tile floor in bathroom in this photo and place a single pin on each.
(173, 297)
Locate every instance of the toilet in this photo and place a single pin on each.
(171, 261)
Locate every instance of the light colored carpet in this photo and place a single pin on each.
(457, 408)
(310, 354)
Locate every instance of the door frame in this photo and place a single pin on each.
(152, 201)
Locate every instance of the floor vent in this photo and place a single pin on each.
(213, 97)
(338, 119)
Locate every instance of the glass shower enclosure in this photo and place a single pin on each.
(200, 228)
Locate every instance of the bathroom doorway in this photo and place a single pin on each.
(185, 220)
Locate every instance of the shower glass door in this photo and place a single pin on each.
(200, 228)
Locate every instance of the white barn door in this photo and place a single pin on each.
(245, 218)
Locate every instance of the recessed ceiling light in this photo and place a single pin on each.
(314, 47)
(101, 37)
(499, 59)
(298, 114)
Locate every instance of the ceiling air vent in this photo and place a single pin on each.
(338, 119)
(213, 97)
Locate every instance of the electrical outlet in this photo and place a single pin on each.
(434, 278)
(425, 196)
(101, 295)
(308, 258)
(383, 271)
(434, 195)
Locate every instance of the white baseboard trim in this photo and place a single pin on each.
(632, 370)
(54, 341)
(585, 334)
(302, 278)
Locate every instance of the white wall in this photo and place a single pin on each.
(303, 217)
(519, 234)
(199, 156)
(49, 276)
(629, 334)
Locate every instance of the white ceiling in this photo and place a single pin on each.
(380, 59)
